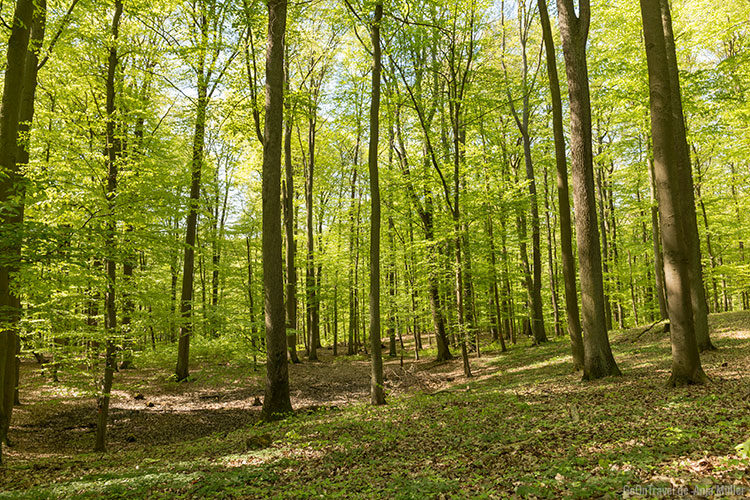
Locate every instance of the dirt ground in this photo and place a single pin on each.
(145, 410)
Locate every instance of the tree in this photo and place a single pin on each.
(112, 152)
(207, 24)
(534, 275)
(695, 269)
(10, 206)
(276, 401)
(598, 359)
(563, 197)
(377, 395)
(686, 364)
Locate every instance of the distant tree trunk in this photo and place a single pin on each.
(112, 152)
(291, 243)
(552, 278)
(744, 295)
(495, 292)
(127, 304)
(392, 283)
(604, 244)
(186, 297)
(687, 200)
(686, 364)
(426, 214)
(11, 186)
(276, 401)
(377, 394)
(657, 253)
(351, 347)
(336, 316)
(709, 246)
(598, 359)
(310, 283)
(533, 273)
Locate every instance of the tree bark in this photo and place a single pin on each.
(112, 152)
(11, 189)
(377, 394)
(598, 359)
(186, 296)
(276, 402)
(686, 364)
(687, 200)
(291, 242)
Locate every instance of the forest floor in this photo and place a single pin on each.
(524, 426)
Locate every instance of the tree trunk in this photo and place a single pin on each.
(112, 152)
(377, 394)
(552, 279)
(26, 117)
(188, 265)
(291, 242)
(313, 331)
(11, 185)
(276, 401)
(687, 198)
(563, 197)
(686, 364)
(657, 253)
(598, 359)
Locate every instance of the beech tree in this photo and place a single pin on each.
(598, 359)
(673, 226)
(276, 401)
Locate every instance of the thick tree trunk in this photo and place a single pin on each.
(686, 364)
(598, 359)
(377, 394)
(26, 117)
(276, 401)
(11, 186)
(685, 179)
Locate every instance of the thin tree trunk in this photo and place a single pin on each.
(310, 282)
(377, 394)
(661, 294)
(563, 197)
(552, 281)
(112, 152)
(291, 242)
(191, 229)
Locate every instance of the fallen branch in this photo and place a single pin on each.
(649, 328)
